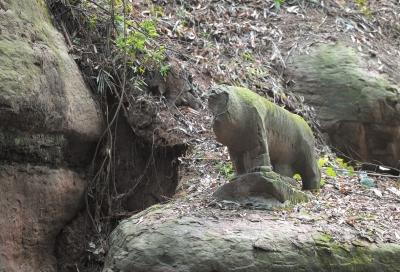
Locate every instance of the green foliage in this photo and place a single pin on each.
(164, 69)
(92, 22)
(248, 56)
(226, 170)
(330, 172)
(297, 177)
(322, 162)
(117, 3)
(139, 45)
(149, 27)
(339, 164)
(157, 11)
(349, 169)
(278, 3)
(363, 7)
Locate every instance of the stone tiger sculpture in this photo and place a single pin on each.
(262, 136)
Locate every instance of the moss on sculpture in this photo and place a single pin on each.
(261, 135)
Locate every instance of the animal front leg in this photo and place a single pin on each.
(257, 159)
(237, 159)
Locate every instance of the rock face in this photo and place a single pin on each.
(41, 89)
(160, 239)
(36, 203)
(360, 111)
(49, 124)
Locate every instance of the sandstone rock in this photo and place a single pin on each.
(262, 190)
(160, 239)
(48, 118)
(359, 110)
(36, 202)
(41, 89)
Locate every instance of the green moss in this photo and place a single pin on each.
(388, 254)
(339, 66)
(18, 74)
(31, 10)
(290, 193)
(341, 256)
(253, 99)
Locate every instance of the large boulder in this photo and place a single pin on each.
(41, 89)
(49, 125)
(36, 202)
(162, 239)
(358, 109)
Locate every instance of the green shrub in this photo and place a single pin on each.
(226, 170)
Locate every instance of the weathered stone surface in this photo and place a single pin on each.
(18, 146)
(36, 202)
(359, 110)
(49, 118)
(41, 89)
(262, 190)
(159, 239)
(260, 134)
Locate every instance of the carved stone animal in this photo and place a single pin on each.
(260, 135)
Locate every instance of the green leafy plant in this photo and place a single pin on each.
(297, 177)
(164, 69)
(140, 46)
(157, 11)
(149, 27)
(226, 169)
(322, 161)
(248, 56)
(278, 3)
(342, 164)
(328, 170)
(363, 7)
(92, 21)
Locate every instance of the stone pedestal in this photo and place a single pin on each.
(265, 190)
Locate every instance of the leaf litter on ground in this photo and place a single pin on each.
(248, 43)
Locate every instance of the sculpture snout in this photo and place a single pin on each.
(217, 100)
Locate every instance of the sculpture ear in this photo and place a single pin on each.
(218, 101)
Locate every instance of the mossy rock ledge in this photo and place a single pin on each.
(160, 239)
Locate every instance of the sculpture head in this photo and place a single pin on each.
(218, 99)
